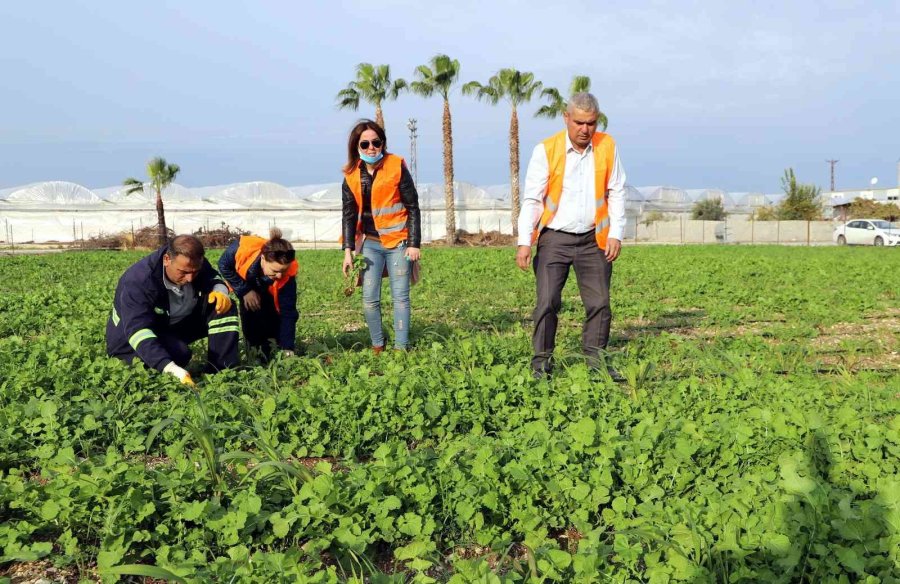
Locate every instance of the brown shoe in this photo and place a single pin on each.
(378, 350)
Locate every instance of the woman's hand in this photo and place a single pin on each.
(348, 261)
(413, 254)
(252, 301)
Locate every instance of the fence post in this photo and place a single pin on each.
(681, 228)
(314, 233)
(752, 227)
(778, 232)
(703, 231)
(807, 233)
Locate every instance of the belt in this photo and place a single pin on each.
(582, 234)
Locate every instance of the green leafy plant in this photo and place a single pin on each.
(354, 275)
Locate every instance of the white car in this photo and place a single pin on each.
(867, 232)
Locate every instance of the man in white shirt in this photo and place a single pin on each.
(574, 210)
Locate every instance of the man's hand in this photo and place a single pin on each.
(413, 254)
(222, 301)
(613, 247)
(179, 374)
(252, 301)
(287, 353)
(523, 257)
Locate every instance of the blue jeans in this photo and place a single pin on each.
(377, 258)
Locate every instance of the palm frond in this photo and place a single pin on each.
(348, 99)
(548, 111)
(424, 73)
(134, 186)
(552, 93)
(422, 88)
(161, 173)
(602, 121)
(171, 172)
(397, 87)
(471, 88)
(580, 84)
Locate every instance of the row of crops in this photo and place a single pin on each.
(756, 439)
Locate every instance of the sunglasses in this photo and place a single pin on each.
(364, 145)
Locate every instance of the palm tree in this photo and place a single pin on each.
(440, 77)
(557, 105)
(161, 175)
(517, 88)
(373, 84)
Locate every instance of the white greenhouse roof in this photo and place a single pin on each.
(53, 193)
(260, 195)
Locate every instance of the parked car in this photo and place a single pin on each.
(867, 232)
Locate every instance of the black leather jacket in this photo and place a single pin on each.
(408, 196)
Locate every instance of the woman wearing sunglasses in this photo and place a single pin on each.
(381, 220)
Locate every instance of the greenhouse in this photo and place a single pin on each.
(58, 211)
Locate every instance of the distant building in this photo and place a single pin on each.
(839, 201)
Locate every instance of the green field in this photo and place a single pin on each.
(757, 438)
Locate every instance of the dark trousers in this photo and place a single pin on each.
(556, 251)
(261, 328)
(222, 331)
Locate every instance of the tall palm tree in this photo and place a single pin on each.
(373, 84)
(161, 175)
(557, 106)
(440, 78)
(516, 87)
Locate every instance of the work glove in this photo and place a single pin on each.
(223, 302)
(179, 373)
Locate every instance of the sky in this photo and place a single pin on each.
(699, 94)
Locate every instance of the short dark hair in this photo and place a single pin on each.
(278, 249)
(353, 142)
(187, 246)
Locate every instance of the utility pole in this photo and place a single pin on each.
(413, 167)
(414, 170)
(832, 163)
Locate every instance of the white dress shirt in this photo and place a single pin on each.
(577, 205)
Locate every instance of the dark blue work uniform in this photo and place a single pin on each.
(139, 325)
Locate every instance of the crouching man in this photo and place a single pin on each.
(165, 302)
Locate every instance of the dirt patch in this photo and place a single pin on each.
(44, 572)
(481, 239)
(873, 343)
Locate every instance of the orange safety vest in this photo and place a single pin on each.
(248, 250)
(604, 148)
(388, 211)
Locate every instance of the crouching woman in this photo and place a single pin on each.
(263, 275)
